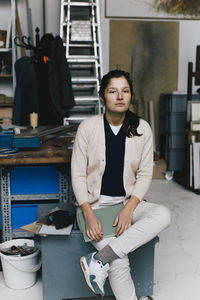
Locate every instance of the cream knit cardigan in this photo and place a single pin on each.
(88, 161)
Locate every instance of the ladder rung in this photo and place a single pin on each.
(86, 98)
(83, 109)
(82, 45)
(84, 86)
(84, 79)
(81, 60)
(85, 57)
(65, 23)
(80, 66)
(80, 4)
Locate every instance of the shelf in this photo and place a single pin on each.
(6, 75)
(5, 49)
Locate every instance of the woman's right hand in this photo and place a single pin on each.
(93, 225)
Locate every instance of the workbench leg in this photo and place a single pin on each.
(63, 187)
(5, 205)
(66, 194)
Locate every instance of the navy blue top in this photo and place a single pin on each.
(112, 181)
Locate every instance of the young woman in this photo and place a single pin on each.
(112, 162)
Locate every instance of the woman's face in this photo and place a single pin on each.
(117, 95)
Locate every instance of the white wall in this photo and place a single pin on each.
(189, 38)
(105, 29)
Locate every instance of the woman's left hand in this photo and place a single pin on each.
(123, 221)
(124, 217)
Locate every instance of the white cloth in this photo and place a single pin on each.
(148, 220)
(115, 129)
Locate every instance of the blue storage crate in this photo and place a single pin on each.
(22, 214)
(176, 122)
(176, 141)
(173, 123)
(175, 159)
(177, 103)
(34, 180)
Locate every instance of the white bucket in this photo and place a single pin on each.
(20, 271)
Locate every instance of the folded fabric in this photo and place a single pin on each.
(60, 218)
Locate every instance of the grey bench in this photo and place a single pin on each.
(61, 273)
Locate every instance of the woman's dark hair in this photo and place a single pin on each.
(131, 121)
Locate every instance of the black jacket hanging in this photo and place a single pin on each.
(43, 87)
(60, 85)
(26, 98)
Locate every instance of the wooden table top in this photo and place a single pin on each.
(53, 150)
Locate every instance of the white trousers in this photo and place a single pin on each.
(148, 220)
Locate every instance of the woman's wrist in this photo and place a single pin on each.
(132, 202)
(86, 209)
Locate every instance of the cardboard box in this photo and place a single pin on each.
(159, 169)
(6, 115)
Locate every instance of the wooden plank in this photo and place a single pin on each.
(54, 151)
(23, 52)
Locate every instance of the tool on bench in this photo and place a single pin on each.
(10, 142)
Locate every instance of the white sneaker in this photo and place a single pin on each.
(95, 273)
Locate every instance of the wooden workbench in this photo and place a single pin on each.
(53, 151)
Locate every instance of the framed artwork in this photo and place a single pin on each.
(148, 50)
(153, 9)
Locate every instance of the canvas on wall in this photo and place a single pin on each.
(153, 9)
(148, 50)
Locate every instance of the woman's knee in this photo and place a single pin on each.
(164, 215)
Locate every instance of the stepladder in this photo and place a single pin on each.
(80, 32)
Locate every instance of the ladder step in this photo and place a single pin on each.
(83, 109)
(85, 57)
(84, 86)
(65, 23)
(80, 4)
(82, 45)
(86, 99)
(81, 60)
(84, 79)
(81, 66)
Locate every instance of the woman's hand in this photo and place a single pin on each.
(93, 225)
(124, 217)
(123, 220)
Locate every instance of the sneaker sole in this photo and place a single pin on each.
(85, 270)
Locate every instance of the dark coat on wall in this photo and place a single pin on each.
(42, 87)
